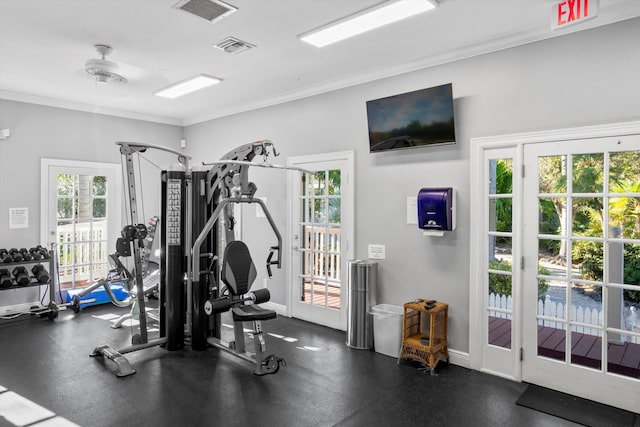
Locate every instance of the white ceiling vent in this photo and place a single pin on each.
(211, 10)
(233, 45)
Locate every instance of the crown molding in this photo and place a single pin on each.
(79, 106)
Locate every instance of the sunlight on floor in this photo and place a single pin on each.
(309, 348)
(21, 411)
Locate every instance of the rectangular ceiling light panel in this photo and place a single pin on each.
(187, 86)
(366, 20)
(211, 10)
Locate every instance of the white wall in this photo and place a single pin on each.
(39, 131)
(585, 78)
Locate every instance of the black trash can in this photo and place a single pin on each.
(362, 284)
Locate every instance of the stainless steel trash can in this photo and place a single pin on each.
(362, 283)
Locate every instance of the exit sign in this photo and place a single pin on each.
(569, 12)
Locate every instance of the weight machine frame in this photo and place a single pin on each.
(132, 241)
(193, 202)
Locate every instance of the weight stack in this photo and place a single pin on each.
(174, 259)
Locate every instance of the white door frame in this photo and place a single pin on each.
(347, 214)
(48, 199)
(477, 292)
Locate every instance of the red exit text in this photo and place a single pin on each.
(568, 12)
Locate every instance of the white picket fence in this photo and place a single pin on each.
(325, 258)
(583, 315)
(82, 251)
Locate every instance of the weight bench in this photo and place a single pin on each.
(238, 274)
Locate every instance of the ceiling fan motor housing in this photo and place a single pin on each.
(102, 70)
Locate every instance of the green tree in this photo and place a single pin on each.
(552, 178)
(504, 185)
(587, 212)
(500, 284)
(66, 188)
(334, 189)
(625, 211)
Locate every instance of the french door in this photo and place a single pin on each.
(581, 279)
(555, 266)
(81, 215)
(500, 262)
(321, 206)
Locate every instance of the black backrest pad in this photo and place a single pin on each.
(238, 270)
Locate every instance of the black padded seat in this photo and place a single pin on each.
(248, 313)
(238, 271)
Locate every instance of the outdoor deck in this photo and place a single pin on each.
(333, 295)
(586, 349)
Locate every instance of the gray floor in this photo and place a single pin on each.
(325, 383)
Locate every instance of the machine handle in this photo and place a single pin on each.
(272, 251)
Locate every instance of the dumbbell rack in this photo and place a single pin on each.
(51, 309)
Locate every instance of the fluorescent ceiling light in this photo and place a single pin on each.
(366, 20)
(187, 86)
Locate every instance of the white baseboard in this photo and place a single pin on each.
(459, 358)
(278, 308)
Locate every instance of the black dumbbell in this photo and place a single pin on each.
(5, 279)
(17, 256)
(40, 273)
(26, 255)
(5, 257)
(35, 254)
(22, 276)
(43, 251)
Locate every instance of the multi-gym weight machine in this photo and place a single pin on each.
(204, 271)
(120, 278)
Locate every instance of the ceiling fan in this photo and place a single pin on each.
(101, 70)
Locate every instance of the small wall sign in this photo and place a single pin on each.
(18, 217)
(569, 12)
(377, 252)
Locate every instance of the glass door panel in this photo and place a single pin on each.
(499, 262)
(580, 301)
(499, 265)
(81, 228)
(319, 251)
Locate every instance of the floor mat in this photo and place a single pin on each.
(572, 408)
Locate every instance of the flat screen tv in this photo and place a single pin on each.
(413, 119)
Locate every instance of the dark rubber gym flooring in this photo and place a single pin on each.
(325, 383)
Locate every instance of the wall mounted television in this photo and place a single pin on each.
(413, 119)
